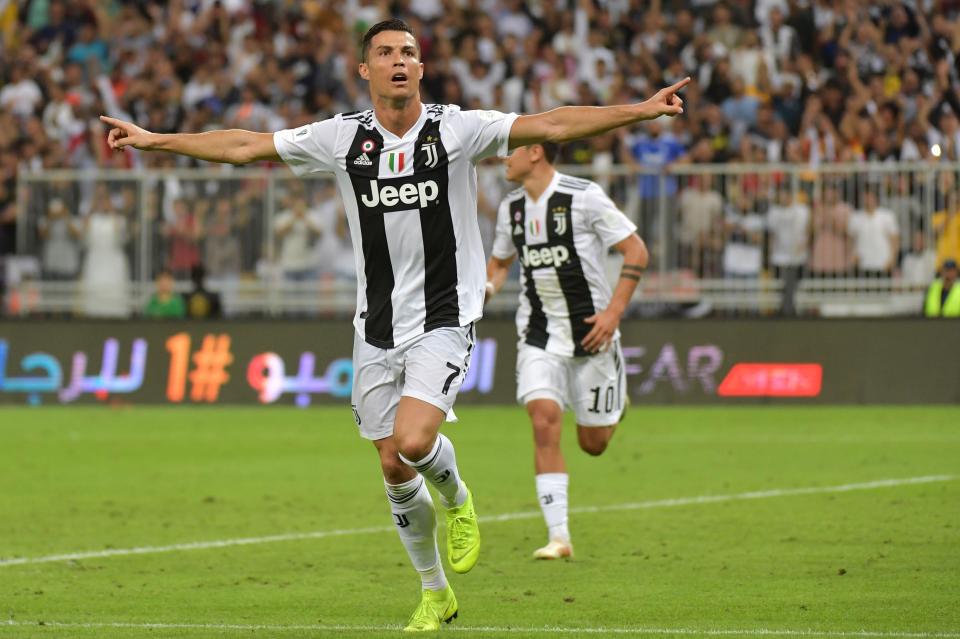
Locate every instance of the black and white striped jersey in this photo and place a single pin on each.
(411, 204)
(561, 240)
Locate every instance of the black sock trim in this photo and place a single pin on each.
(427, 464)
(405, 498)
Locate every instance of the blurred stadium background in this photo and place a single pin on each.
(796, 215)
(814, 172)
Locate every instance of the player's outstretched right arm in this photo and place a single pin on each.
(567, 123)
(233, 146)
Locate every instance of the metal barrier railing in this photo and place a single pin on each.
(751, 238)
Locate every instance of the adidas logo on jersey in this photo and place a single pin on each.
(546, 256)
(363, 160)
(421, 193)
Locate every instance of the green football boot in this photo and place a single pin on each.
(435, 606)
(463, 536)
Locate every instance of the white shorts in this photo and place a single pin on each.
(594, 386)
(430, 367)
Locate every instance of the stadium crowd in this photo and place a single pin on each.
(802, 81)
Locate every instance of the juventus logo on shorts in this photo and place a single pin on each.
(433, 158)
(402, 521)
(547, 500)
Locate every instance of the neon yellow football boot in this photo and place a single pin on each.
(435, 606)
(463, 536)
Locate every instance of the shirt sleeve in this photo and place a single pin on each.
(676, 150)
(503, 246)
(310, 148)
(484, 134)
(853, 224)
(892, 224)
(607, 221)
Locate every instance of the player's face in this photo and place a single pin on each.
(393, 65)
(518, 164)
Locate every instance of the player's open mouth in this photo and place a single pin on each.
(399, 78)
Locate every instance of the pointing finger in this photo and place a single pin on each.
(112, 121)
(679, 85)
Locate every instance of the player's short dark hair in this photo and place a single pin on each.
(393, 24)
(550, 151)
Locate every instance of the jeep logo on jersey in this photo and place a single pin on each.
(394, 197)
(546, 256)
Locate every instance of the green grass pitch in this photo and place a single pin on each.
(830, 563)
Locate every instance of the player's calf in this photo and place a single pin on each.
(546, 418)
(593, 440)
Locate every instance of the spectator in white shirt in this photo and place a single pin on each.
(919, 266)
(701, 207)
(875, 237)
(479, 79)
(779, 39)
(789, 223)
(297, 231)
(21, 95)
(743, 253)
(513, 20)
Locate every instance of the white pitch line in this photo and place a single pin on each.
(530, 514)
(712, 499)
(551, 630)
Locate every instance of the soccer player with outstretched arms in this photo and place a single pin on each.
(406, 173)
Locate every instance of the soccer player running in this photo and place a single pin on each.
(406, 173)
(569, 352)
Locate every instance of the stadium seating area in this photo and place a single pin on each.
(805, 82)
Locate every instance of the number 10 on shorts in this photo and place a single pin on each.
(608, 397)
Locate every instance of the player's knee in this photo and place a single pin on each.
(594, 449)
(592, 441)
(395, 472)
(393, 468)
(543, 422)
(545, 427)
(414, 446)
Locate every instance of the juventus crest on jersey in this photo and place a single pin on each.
(561, 240)
(411, 204)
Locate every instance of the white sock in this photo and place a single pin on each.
(416, 522)
(433, 578)
(552, 495)
(439, 468)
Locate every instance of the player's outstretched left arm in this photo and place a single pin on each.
(605, 323)
(574, 122)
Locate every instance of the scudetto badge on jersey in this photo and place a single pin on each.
(395, 161)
